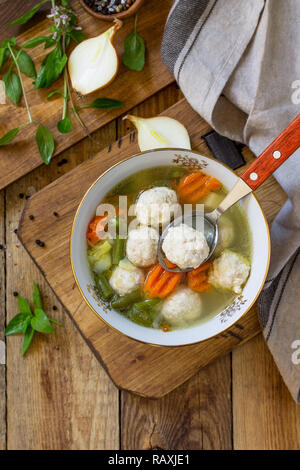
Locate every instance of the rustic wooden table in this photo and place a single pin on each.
(59, 396)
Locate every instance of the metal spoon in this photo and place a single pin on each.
(255, 174)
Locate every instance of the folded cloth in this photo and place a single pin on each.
(238, 63)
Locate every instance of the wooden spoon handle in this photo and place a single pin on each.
(274, 155)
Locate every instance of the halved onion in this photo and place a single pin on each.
(160, 132)
(94, 63)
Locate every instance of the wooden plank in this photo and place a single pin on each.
(116, 350)
(11, 10)
(21, 156)
(264, 414)
(59, 397)
(196, 415)
(185, 418)
(2, 326)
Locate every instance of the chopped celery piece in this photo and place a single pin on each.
(103, 264)
(127, 265)
(95, 252)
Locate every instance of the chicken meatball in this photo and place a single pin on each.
(157, 206)
(141, 247)
(185, 246)
(124, 281)
(183, 305)
(230, 271)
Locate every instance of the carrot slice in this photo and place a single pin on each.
(197, 278)
(171, 285)
(203, 267)
(169, 264)
(158, 288)
(152, 277)
(160, 283)
(203, 287)
(94, 228)
(187, 180)
(196, 185)
(213, 184)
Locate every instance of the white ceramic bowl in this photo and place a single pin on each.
(214, 326)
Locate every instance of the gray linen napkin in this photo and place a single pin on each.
(238, 64)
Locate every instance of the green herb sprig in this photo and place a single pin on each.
(14, 89)
(134, 50)
(27, 323)
(63, 30)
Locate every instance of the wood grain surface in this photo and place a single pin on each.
(239, 401)
(142, 363)
(21, 156)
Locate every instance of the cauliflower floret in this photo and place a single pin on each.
(185, 246)
(141, 247)
(181, 306)
(157, 206)
(123, 281)
(230, 271)
(226, 234)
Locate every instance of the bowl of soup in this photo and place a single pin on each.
(114, 244)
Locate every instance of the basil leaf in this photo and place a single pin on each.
(13, 87)
(51, 42)
(104, 103)
(35, 42)
(40, 322)
(134, 50)
(4, 54)
(77, 36)
(17, 324)
(36, 296)
(9, 136)
(24, 305)
(27, 16)
(51, 68)
(45, 143)
(54, 92)
(28, 335)
(65, 125)
(26, 64)
(26, 323)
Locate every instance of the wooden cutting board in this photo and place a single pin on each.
(146, 370)
(22, 156)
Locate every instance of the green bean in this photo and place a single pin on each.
(105, 288)
(124, 301)
(146, 304)
(118, 250)
(144, 317)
